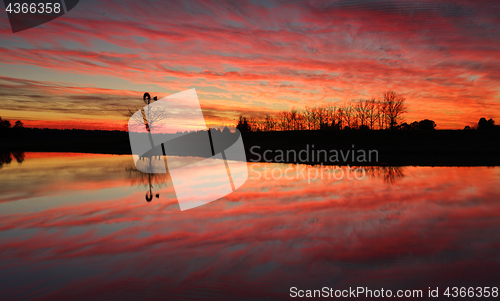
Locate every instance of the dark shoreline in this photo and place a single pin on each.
(395, 148)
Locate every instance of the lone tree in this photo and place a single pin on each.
(149, 117)
(394, 106)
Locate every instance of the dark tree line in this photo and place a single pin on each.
(425, 124)
(484, 124)
(363, 114)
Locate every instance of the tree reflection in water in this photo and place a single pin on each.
(149, 179)
(6, 158)
(390, 174)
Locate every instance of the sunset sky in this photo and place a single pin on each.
(88, 67)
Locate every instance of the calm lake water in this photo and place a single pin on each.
(77, 226)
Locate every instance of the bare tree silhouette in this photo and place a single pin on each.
(361, 114)
(150, 116)
(373, 114)
(394, 107)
